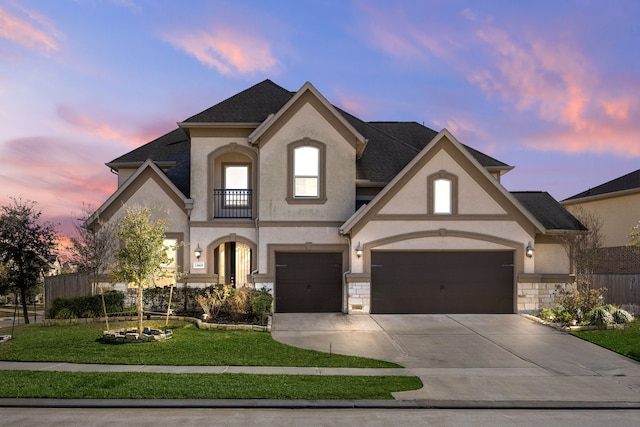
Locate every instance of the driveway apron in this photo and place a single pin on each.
(463, 357)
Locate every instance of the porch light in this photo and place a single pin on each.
(198, 252)
(359, 250)
(529, 250)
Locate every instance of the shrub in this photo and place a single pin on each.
(621, 316)
(65, 313)
(581, 301)
(214, 299)
(261, 305)
(240, 303)
(86, 306)
(600, 316)
(557, 315)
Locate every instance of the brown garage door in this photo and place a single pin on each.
(442, 282)
(308, 282)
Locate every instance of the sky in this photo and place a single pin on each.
(551, 87)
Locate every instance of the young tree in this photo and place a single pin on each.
(92, 248)
(634, 235)
(141, 254)
(582, 248)
(26, 246)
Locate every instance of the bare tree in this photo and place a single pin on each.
(93, 246)
(582, 248)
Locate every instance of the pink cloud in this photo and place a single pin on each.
(31, 30)
(227, 49)
(113, 126)
(58, 174)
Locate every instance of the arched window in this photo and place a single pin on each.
(306, 172)
(442, 189)
(442, 196)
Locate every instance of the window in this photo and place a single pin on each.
(442, 196)
(306, 169)
(442, 189)
(236, 184)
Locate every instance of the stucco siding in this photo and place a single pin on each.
(307, 122)
(618, 215)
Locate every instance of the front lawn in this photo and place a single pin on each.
(128, 385)
(624, 341)
(189, 346)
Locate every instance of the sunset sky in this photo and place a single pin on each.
(550, 87)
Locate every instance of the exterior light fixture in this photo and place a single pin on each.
(529, 250)
(359, 250)
(198, 252)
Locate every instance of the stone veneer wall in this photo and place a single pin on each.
(359, 298)
(536, 295)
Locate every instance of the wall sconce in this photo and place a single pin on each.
(529, 250)
(198, 252)
(359, 250)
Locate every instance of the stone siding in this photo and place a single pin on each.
(359, 298)
(534, 296)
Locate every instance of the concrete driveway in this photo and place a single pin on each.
(498, 358)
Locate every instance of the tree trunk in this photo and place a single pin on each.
(25, 312)
(140, 311)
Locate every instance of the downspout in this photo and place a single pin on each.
(345, 284)
(257, 208)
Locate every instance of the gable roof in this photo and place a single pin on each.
(390, 145)
(548, 211)
(625, 183)
(441, 137)
(147, 165)
(252, 105)
(360, 141)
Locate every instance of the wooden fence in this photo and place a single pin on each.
(65, 286)
(623, 289)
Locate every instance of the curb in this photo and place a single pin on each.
(315, 404)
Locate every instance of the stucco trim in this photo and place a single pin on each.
(322, 172)
(233, 147)
(358, 277)
(447, 142)
(357, 140)
(546, 278)
(272, 248)
(330, 224)
(518, 247)
(148, 170)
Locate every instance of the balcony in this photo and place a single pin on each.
(232, 203)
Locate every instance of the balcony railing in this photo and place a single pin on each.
(232, 203)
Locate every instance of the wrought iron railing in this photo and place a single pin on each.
(232, 203)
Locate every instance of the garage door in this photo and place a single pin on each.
(442, 282)
(308, 282)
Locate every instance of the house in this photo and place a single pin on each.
(617, 204)
(283, 190)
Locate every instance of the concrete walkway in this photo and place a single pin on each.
(464, 361)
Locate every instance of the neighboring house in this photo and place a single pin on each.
(617, 204)
(279, 189)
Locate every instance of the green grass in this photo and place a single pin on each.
(121, 385)
(624, 341)
(189, 346)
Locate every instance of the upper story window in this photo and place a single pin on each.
(306, 169)
(442, 193)
(236, 184)
(307, 172)
(442, 196)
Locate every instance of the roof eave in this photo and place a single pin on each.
(600, 196)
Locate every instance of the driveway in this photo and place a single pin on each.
(498, 358)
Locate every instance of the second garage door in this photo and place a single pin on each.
(442, 282)
(308, 282)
